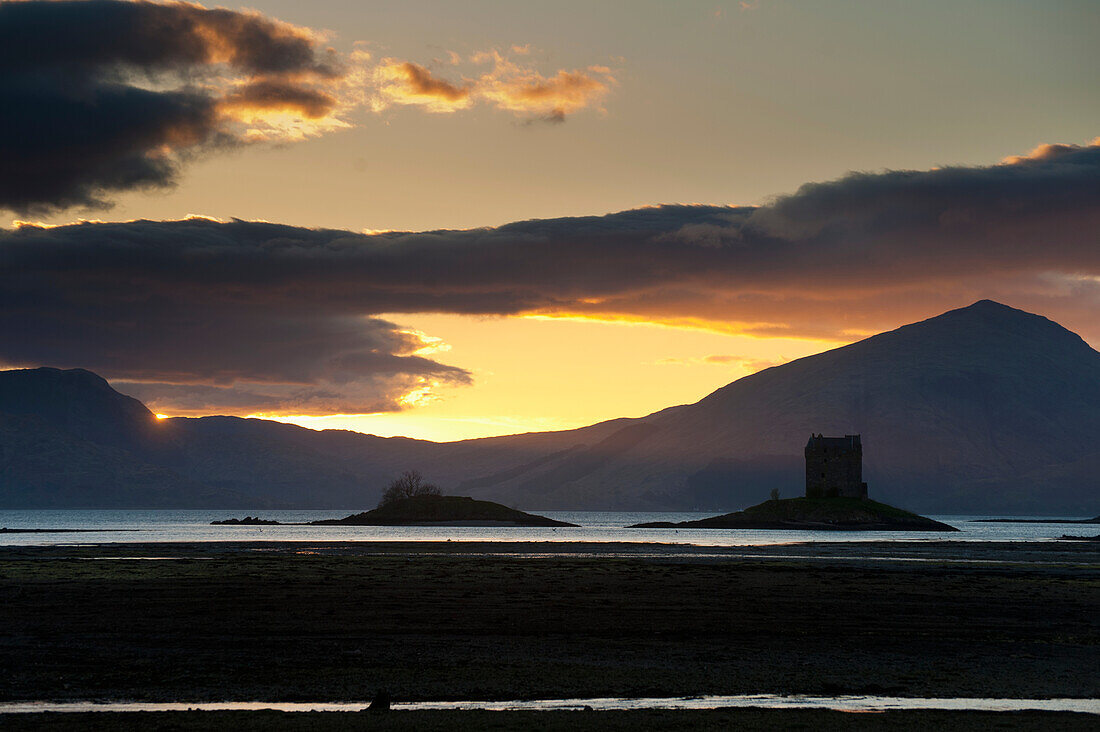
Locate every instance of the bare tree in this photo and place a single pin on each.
(409, 485)
(775, 494)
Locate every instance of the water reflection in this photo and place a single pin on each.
(762, 701)
(593, 526)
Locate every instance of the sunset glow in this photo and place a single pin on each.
(613, 369)
(449, 223)
(628, 364)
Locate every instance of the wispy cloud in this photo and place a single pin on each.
(506, 81)
(749, 365)
(403, 82)
(519, 88)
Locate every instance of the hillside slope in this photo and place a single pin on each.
(985, 408)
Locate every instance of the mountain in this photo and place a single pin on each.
(68, 440)
(985, 409)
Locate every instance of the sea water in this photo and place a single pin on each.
(142, 526)
(761, 701)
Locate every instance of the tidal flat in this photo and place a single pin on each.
(443, 621)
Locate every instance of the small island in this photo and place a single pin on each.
(410, 501)
(433, 510)
(836, 499)
(421, 511)
(839, 514)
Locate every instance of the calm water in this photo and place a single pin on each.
(766, 701)
(594, 526)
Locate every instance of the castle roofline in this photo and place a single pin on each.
(846, 441)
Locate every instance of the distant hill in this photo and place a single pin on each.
(68, 440)
(985, 409)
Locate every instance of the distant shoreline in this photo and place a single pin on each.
(1035, 521)
(62, 531)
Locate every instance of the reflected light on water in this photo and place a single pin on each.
(149, 526)
(851, 704)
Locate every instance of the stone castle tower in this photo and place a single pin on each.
(834, 467)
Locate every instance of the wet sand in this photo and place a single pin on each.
(451, 620)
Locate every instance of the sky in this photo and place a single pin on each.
(453, 220)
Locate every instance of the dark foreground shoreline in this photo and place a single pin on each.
(319, 621)
(566, 721)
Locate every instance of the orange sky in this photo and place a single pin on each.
(547, 374)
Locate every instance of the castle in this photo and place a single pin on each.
(834, 467)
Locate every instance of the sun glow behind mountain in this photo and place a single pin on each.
(538, 374)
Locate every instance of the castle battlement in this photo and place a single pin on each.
(834, 467)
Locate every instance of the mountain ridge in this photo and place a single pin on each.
(980, 408)
(943, 382)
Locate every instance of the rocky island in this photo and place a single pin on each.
(436, 510)
(836, 499)
(246, 521)
(840, 513)
(424, 510)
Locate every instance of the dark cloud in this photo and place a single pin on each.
(101, 96)
(240, 352)
(107, 96)
(338, 380)
(267, 309)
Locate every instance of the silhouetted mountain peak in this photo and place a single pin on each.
(986, 334)
(989, 306)
(993, 316)
(76, 401)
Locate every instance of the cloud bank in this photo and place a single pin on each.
(106, 96)
(103, 96)
(245, 316)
